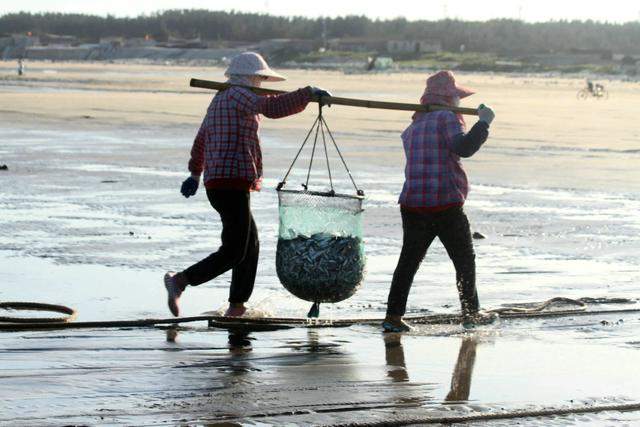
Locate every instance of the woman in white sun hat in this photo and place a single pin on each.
(227, 150)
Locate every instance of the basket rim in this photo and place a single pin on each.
(321, 193)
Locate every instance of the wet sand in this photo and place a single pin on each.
(199, 376)
(91, 218)
(543, 135)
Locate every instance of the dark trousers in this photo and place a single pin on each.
(419, 230)
(240, 246)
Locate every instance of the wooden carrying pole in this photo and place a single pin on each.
(334, 100)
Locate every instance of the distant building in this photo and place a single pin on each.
(15, 45)
(112, 41)
(568, 59)
(356, 44)
(58, 40)
(291, 45)
(628, 60)
(178, 43)
(630, 65)
(146, 41)
(5, 41)
(413, 46)
(58, 53)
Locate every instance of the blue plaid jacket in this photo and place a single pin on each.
(433, 174)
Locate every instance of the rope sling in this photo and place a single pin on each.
(320, 125)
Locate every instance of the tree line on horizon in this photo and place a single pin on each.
(499, 35)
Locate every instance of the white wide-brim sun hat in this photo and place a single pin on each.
(252, 64)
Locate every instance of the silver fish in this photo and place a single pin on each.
(322, 267)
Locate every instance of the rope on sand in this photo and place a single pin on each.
(537, 310)
(581, 304)
(36, 306)
(516, 311)
(626, 407)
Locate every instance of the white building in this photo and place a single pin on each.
(413, 46)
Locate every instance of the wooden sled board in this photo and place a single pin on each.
(272, 323)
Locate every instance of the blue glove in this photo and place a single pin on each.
(319, 93)
(189, 187)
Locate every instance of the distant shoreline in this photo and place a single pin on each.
(8, 69)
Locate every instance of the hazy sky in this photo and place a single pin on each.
(540, 10)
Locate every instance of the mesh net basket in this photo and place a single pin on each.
(320, 253)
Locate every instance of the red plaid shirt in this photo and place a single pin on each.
(434, 176)
(227, 146)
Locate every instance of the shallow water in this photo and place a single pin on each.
(103, 198)
(92, 219)
(324, 376)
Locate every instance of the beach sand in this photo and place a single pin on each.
(92, 217)
(533, 113)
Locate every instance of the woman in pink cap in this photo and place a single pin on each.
(433, 195)
(227, 150)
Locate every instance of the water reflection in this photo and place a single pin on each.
(239, 363)
(172, 333)
(239, 342)
(462, 372)
(313, 346)
(394, 356)
(314, 341)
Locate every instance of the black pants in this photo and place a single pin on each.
(240, 246)
(419, 230)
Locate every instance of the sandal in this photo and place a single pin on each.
(392, 327)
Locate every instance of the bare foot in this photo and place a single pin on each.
(235, 310)
(174, 290)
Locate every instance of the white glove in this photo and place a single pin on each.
(485, 114)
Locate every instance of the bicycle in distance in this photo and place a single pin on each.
(595, 90)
